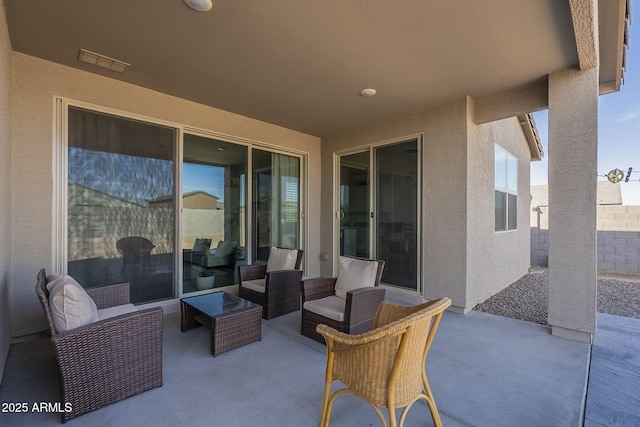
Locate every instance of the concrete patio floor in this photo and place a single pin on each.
(484, 370)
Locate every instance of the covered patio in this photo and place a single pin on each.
(454, 81)
(484, 370)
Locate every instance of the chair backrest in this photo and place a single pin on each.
(135, 250)
(43, 296)
(396, 361)
(380, 267)
(299, 259)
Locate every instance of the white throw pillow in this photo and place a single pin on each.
(354, 274)
(70, 304)
(282, 259)
(225, 247)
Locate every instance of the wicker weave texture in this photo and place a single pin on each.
(282, 292)
(386, 366)
(361, 305)
(228, 330)
(236, 329)
(108, 360)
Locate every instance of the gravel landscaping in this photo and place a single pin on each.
(526, 299)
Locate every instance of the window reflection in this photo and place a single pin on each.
(213, 214)
(120, 219)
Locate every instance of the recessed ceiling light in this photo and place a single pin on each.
(199, 5)
(367, 92)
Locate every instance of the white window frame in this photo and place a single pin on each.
(510, 188)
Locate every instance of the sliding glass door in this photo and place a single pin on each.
(355, 205)
(121, 181)
(276, 202)
(396, 217)
(121, 204)
(379, 209)
(213, 211)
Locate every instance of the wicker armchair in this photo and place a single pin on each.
(107, 360)
(277, 291)
(360, 305)
(386, 366)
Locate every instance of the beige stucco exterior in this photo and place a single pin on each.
(463, 257)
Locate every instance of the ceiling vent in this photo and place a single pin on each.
(102, 61)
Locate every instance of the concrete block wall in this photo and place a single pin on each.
(618, 238)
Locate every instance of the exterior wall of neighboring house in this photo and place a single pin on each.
(462, 256)
(35, 84)
(200, 200)
(5, 190)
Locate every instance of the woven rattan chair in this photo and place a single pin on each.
(385, 366)
(108, 360)
(360, 305)
(278, 292)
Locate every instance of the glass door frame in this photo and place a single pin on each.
(60, 178)
(371, 149)
(249, 227)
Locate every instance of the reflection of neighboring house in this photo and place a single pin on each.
(201, 200)
(80, 195)
(116, 218)
(192, 200)
(202, 216)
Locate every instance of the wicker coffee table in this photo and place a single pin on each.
(233, 321)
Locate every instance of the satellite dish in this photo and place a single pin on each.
(615, 176)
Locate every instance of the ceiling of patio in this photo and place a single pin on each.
(301, 64)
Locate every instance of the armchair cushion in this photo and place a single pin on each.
(117, 310)
(355, 273)
(71, 306)
(257, 285)
(282, 259)
(331, 307)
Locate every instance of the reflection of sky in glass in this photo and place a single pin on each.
(209, 179)
(131, 178)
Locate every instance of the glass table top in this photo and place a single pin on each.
(217, 303)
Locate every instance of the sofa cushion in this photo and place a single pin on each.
(70, 304)
(355, 273)
(116, 310)
(225, 247)
(282, 259)
(257, 285)
(201, 245)
(331, 307)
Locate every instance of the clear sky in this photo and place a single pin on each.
(618, 126)
(205, 178)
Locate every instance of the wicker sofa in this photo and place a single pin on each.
(107, 360)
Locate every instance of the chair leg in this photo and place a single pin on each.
(431, 401)
(328, 379)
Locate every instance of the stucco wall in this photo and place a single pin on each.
(508, 259)
(35, 84)
(5, 189)
(463, 257)
(444, 170)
